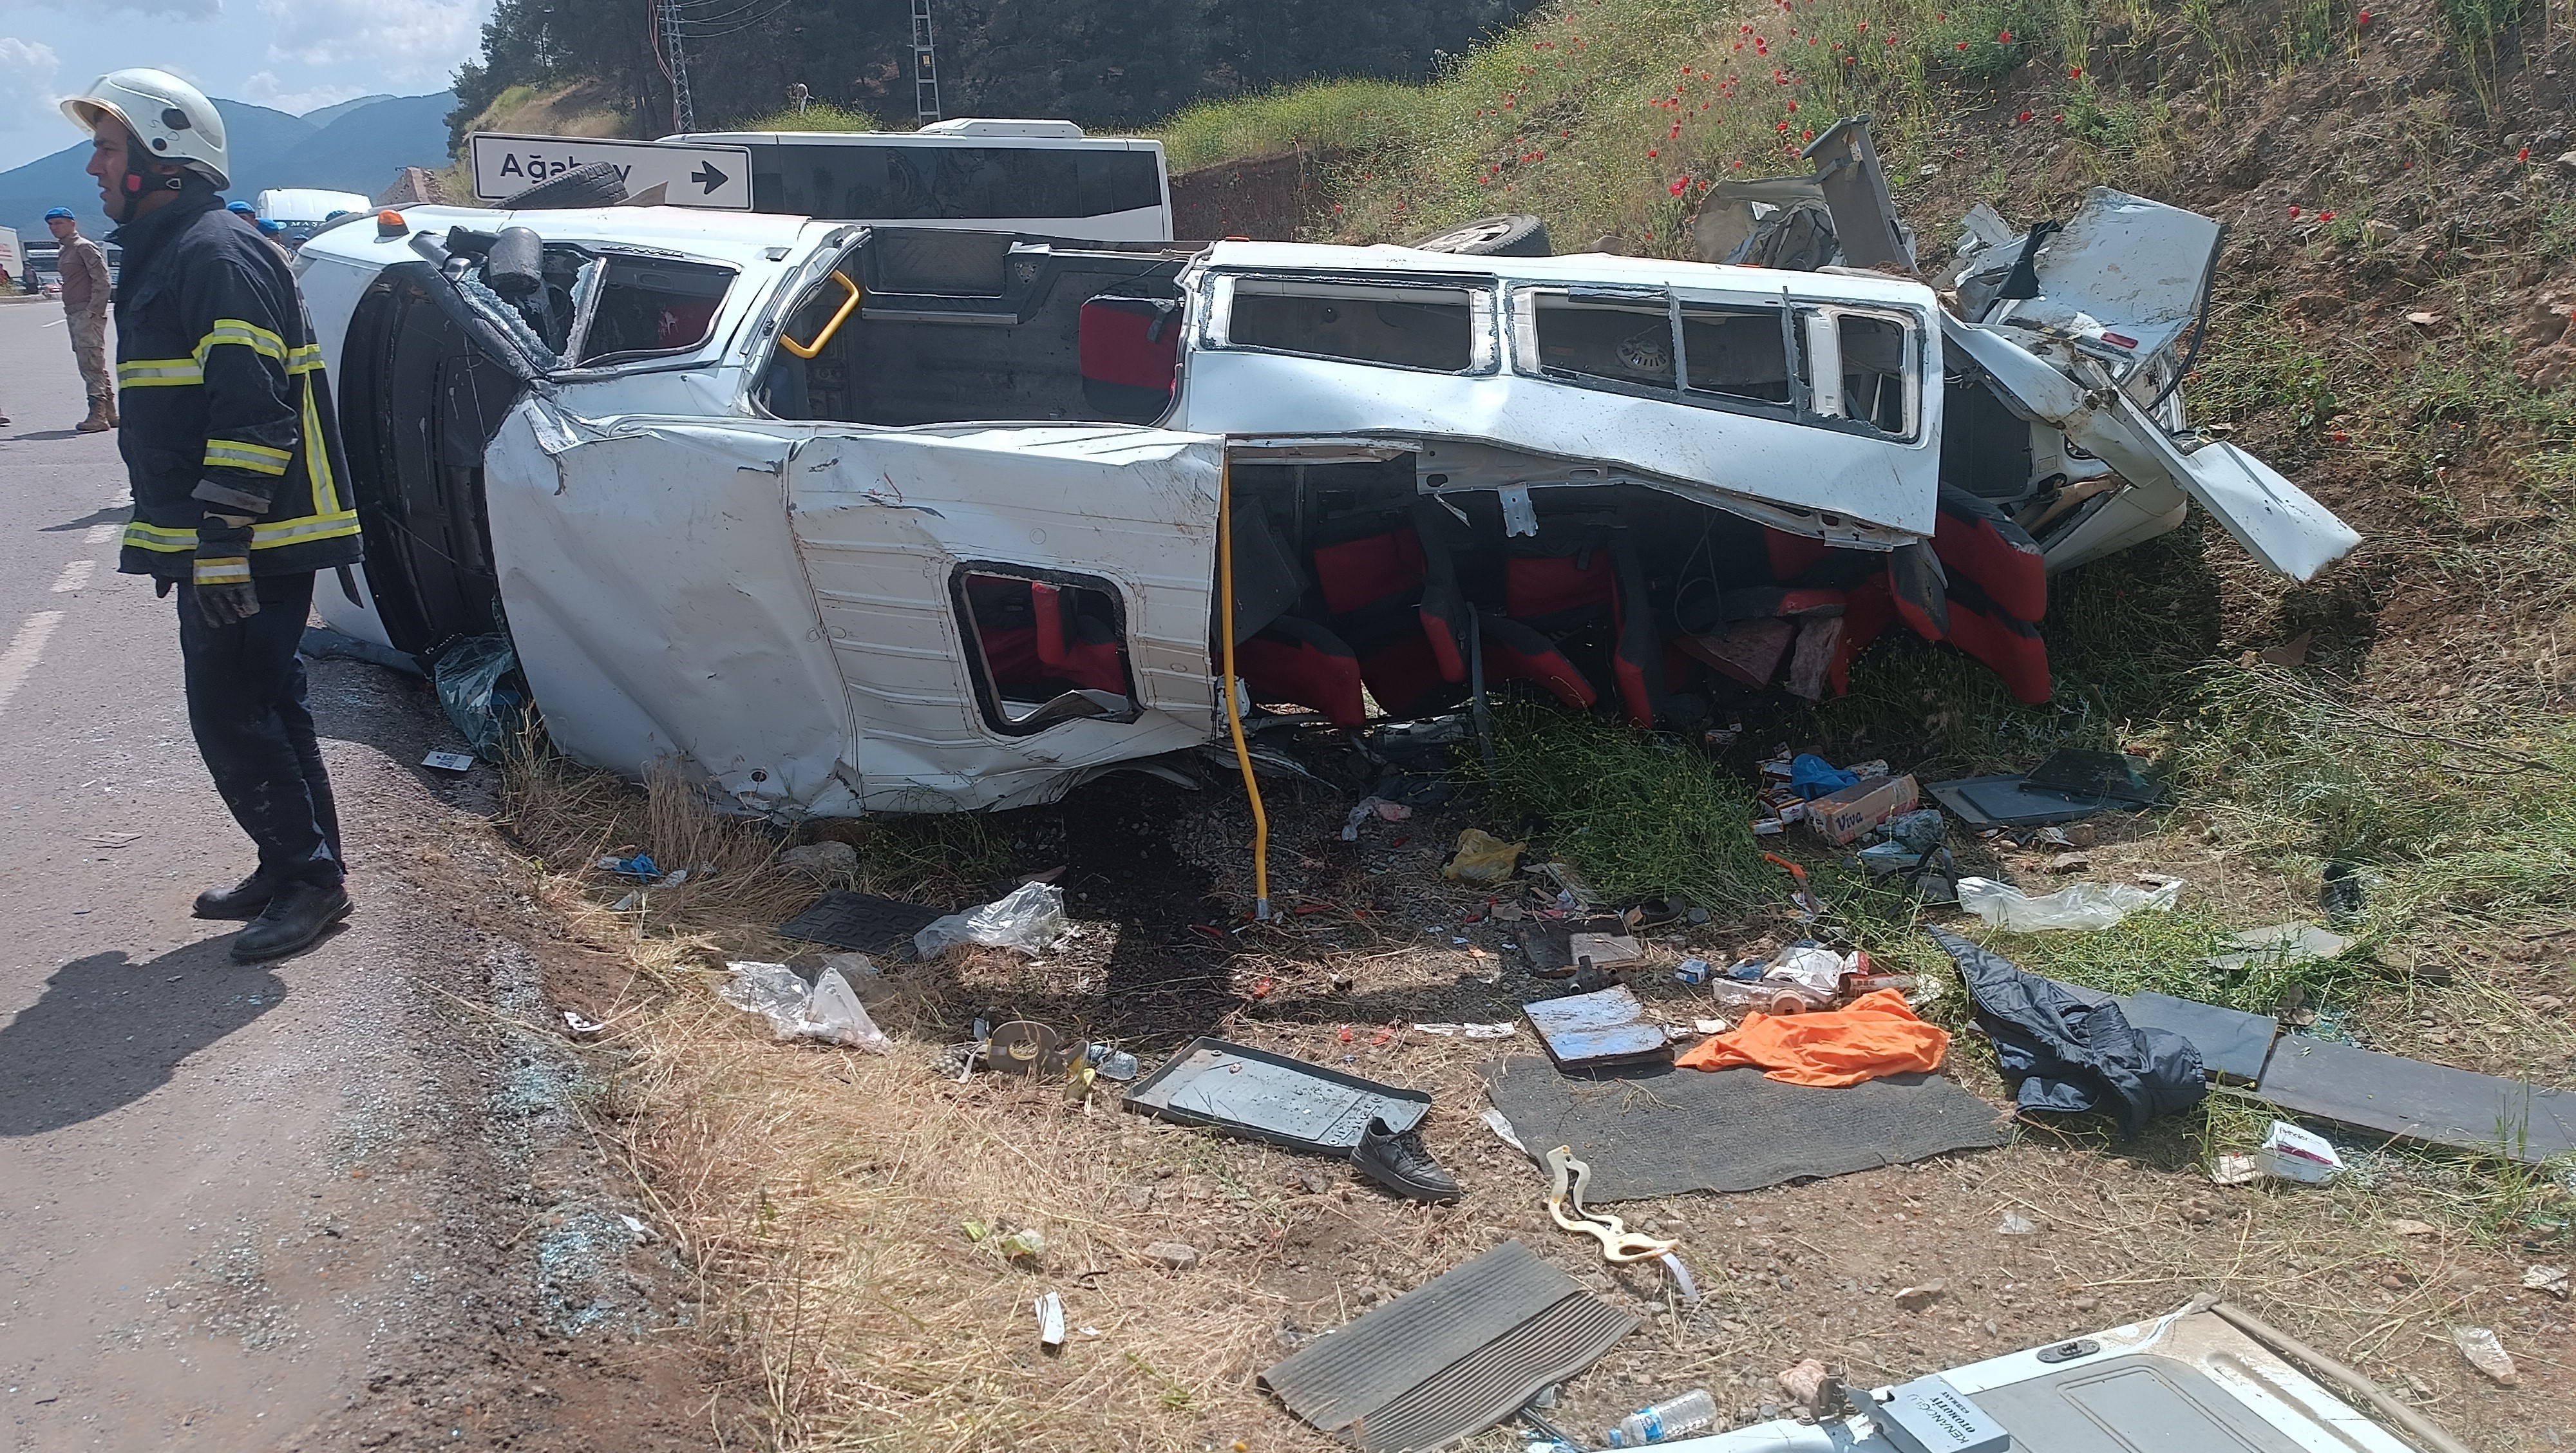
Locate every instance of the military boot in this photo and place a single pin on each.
(101, 418)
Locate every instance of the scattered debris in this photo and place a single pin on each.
(1916, 1298)
(1173, 1255)
(2550, 1279)
(579, 1027)
(1450, 1358)
(1845, 817)
(2017, 1224)
(2486, 1354)
(1503, 1030)
(2282, 943)
(1482, 858)
(1026, 1047)
(2233, 1044)
(449, 761)
(1812, 1386)
(827, 862)
(1502, 1128)
(1692, 1413)
(2235, 1170)
(639, 867)
(1377, 807)
(1050, 1310)
(2070, 862)
(1592, 1031)
(1271, 1097)
(1027, 920)
(1022, 1244)
(2082, 906)
(827, 1010)
(1567, 1178)
(2291, 1154)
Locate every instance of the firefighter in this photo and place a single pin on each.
(82, 265)
(240, 493)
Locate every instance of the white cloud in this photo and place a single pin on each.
(27, 72)
(420, 40)
(183, 9)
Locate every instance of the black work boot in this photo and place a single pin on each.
(1399, 1163)
(244, 899)
(299, 914)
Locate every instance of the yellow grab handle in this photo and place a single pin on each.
(848, 304)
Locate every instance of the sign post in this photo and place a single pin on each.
(691, 176)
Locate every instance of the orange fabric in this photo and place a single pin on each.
(1876, 1034)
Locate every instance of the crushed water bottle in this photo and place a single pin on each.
(1689, 1415)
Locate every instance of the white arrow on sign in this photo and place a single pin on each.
(692, 176)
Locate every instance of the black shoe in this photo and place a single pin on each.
(243, 900)
(1399, 1163)
(299, 914)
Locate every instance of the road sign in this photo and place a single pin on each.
(692, 176)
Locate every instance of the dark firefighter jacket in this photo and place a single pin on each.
(226, 410)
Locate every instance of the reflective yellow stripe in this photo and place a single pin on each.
(262, 537)
(257, 458)
(222, 572)
(249, 335)
(307, 359)
(159, 373)
(317, 458)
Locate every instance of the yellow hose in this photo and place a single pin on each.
(1233, 712)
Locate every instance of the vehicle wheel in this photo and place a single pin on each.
(1515, 235)
(595, 185)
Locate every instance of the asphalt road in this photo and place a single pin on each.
(252, 1207)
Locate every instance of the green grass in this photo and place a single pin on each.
(1637, 814)
(816, 116)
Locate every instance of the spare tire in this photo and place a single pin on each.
(594, 185)
(1515, 235)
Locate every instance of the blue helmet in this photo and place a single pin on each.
(272, 228)
(63, 212)
(245, 208)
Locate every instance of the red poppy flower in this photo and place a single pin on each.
(2023, 119)
(1963, 45)
(1680, 187)
(2363, 19)
(1650, 155)
(2004, 39)
(2294, 211)
(2523, 155)
(2325, 216)
(2076, 74)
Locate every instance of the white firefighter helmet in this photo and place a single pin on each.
(173, 120)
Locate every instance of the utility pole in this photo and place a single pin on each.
(925, 65)
(684, 111)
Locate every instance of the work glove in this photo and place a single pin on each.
(225, 594)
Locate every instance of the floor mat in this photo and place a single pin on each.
(1664, 1131)
(1272, 1097)
(860, 921)
(1452, 1357)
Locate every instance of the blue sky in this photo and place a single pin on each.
(294, 55)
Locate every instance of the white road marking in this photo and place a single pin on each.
(100, 533)
(74, 576)
(24, 650)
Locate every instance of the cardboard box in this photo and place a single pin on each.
(1845, 817)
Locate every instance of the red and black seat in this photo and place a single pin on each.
(1129, 354)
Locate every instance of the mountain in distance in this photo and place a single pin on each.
(325, 115)
(355, 146)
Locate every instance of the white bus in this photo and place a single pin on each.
(984, 175)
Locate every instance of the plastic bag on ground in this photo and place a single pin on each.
(1483, 858)
(830, 1011)
(2081, 906)
(469, 676)
(1028, 918)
